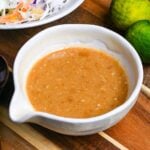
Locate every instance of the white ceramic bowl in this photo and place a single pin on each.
(68, 8)
(63, 36)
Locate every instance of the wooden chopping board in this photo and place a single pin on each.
(133, 132)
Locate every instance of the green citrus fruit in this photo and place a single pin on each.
(139, 36)
(126, 12)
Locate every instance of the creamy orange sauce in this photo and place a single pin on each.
(77, 83)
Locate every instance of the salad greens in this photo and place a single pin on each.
(20, 11)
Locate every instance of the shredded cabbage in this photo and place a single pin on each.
(20, 11)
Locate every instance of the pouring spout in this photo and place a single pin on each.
(20, 111)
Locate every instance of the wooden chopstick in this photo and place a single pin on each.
(113, 141)
(146, 90)
(27, 133)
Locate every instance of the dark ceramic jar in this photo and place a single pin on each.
(4, 72)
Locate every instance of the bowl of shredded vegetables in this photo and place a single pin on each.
(20, 14)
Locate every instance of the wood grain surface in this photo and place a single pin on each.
(133, 131)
